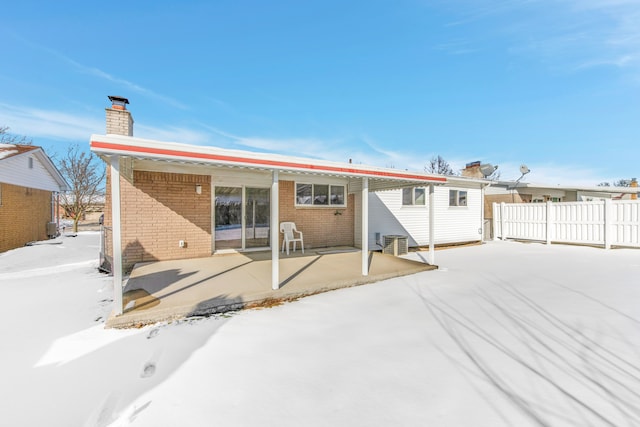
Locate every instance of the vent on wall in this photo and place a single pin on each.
(395, 244)
(30, 162)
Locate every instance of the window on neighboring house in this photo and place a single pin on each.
(413, 196)
(544, 199)
(457, 198)
(30, 162)
(319, 195)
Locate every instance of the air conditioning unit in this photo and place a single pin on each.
(395, 244)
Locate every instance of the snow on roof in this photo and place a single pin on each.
(7, 153)
(10, 150)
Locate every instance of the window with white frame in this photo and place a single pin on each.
(457, 198)
(414, 196)
(320, 195)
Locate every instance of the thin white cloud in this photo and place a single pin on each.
(57, 125)
(361, 149)
(96, 72)
(173, 134)
(571, 34)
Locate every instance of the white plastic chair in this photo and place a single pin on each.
(288, 229)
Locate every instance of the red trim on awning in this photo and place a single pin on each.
(260, 162)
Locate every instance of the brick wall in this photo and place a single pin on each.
(321, 226)
(119, 122)
(158, 211)
(24, 214)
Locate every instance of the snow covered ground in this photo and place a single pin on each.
(503, 334)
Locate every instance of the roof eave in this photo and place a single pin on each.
(109, 145)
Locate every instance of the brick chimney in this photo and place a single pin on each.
(634, 184)
(119, 120)
(472, 170)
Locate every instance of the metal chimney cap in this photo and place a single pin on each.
(118, 99)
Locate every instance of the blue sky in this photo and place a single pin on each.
(554, 84)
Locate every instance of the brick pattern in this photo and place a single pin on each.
(119, 122)
(24, 214)
(158, 211)
(321, 226)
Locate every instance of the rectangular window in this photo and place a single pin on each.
(304, 194)
(337, 195)
(457, 198)
(319, 195)
(413, 197)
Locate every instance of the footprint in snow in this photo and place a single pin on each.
(149, 370)
(152, 333)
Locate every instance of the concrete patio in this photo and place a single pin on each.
(168, 290)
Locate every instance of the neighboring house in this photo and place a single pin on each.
(524, 192)
(95, 205)
(29, 185)
(458, 214)
(174, 201)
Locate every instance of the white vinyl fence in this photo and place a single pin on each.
(607, 223)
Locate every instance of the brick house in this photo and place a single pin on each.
(29, 185)
(175, 201)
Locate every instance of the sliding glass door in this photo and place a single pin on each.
(257, 209)
(241, 218)
(228, 218)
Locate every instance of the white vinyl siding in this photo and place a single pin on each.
(455, 223)
(15, 170)
(387, 215)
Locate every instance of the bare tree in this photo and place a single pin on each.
(85, 174)
(9, 138)
(439, 165)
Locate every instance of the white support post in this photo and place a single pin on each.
(117, 235)
(365, 226)
(503, 233)
(482, 232)
(275, 232)
(549, 221)
(432, 228)
(608, 220)
(494, 220)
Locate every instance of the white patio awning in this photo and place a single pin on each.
(144, 151)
